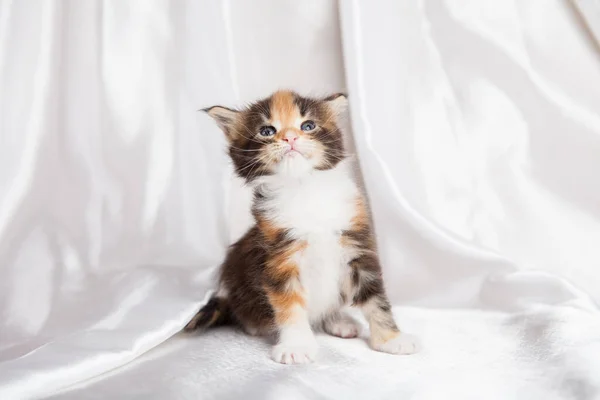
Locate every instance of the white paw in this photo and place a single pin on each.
(401, 344)
(344, 328)
(295, 353)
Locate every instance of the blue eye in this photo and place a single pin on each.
(267, 131)
(308, 126)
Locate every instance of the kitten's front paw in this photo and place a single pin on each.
(295, 353)
(400, 344)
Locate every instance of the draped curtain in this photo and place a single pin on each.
(475, 125)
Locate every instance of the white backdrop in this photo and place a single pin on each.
(477, 129)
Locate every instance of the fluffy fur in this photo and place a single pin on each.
(311, 251)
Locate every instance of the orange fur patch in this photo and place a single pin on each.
(283, 305)
(282, 268)
(359, 221)
(285, 111)
(380, 336)
(361, 216)
(269, 229)
(283, 108)
(345, 241)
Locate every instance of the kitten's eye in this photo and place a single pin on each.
(267, 131)
(308, 126)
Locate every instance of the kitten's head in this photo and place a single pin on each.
(283, 134)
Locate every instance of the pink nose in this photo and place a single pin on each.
(290, 137)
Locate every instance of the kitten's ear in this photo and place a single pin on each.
(338, 103)
(225, 118)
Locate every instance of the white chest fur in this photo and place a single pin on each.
(316, 209)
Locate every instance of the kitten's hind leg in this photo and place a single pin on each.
(385, 335)
(341, 325)
(371, 298)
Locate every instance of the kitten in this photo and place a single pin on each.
(311, 251)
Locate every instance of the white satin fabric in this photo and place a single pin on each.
(477, 129)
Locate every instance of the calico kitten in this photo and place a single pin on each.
(311, 251)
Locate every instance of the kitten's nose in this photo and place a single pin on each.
(290, 137)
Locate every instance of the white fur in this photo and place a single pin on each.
(401, 344)
(296, 353)
(342, 326)
(297, 343)
(316, 206)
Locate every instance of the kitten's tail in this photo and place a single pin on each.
(215, 313)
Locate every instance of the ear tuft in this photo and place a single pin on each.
(337, 102)
(225, 118)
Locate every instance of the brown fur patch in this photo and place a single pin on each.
(194, 321)
(215, 317)
(243, 277)
(215, 312)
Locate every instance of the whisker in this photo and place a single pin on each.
(265, 159)
(253, 162)
(245, 150)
